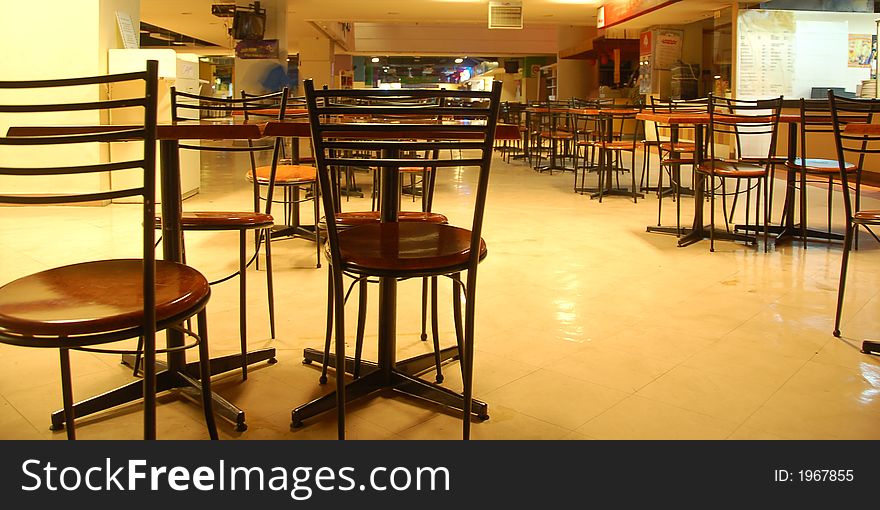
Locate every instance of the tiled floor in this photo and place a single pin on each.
(587, 326)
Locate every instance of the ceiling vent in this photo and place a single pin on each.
(505, 15)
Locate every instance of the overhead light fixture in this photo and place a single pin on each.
(374, 60)
(459, 60)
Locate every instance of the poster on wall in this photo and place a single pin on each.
(667, 48)
(860, 52)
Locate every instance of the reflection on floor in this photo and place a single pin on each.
(587, 326)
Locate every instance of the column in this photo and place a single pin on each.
(260, 76)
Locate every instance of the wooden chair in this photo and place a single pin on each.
(86, 305)
(740, 120)
(183, 106)
(674, 155)
(619, 134)
(292, 176)
(856, 138)
(813, 120)
(346, 219)
(392, 249)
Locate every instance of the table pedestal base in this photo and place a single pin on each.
(721, 235)
(185, 380)
(402, 379)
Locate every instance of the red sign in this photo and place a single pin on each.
(645, 45)
(618, 11)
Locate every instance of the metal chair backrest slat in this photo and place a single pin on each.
(340, 121)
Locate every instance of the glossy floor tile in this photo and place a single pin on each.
(588, 327)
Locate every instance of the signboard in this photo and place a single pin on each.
(249, 49)
(766, 54)
(618, 11)
(130, 38)
(646, 44)
(667, 48)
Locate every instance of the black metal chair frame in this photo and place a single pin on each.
(803, 167)
(392, 139)
(291, 190)
(614, 139)
(736, 119)
(670, 159)
(144, 270)
(862, 145)
(233, 106)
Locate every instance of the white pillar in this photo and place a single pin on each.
(250, 74)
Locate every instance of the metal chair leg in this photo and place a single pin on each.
(242, 301)
(844, 262)
(205, 375)
(269, 282)
(67, 394)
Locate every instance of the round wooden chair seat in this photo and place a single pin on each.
(678, 146)
(285, 174)
(614, 146)
(222, 220)
(403, 248)
(732, 169)
(91, 298)
(559, 135)
(819, 166)
(684, 159)
(867, 216)
(351, 219)
(413, 169)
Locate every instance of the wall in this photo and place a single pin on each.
(61, 39)
(464, 39)
(794, 51)
(576, 77)
(316, 55)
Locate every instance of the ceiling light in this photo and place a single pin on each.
(459, 60)
(374, 60)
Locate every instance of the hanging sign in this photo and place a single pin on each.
(250, 49)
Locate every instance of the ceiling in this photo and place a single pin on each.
(193, 18)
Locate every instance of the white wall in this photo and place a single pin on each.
(57, 39)
(794, 51)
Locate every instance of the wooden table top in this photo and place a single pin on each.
(207, 129)
(703, 118)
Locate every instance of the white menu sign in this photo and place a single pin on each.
(766, 49)
(126, 29)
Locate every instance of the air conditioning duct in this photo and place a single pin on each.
(505, 15)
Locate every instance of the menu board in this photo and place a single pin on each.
(766, 54)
